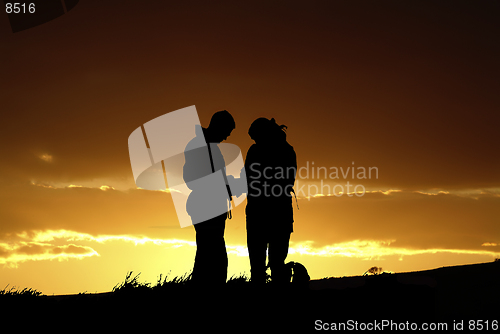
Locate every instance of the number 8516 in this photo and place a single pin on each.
(19, 8)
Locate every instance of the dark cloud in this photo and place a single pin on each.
(412, 220)
(33, 249)
(70, 249)
(408, 219)
(29, 208)
(13, 253)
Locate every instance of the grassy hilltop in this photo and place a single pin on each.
(448, 293)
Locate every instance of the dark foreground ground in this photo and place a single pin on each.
(448, 295)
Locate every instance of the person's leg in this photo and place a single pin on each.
(220, 253)
(278, 251)
(210, 265)
(201, 260)
(257, 246)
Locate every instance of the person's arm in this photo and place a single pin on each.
(251, 168)
(249, 160)
(292, 163)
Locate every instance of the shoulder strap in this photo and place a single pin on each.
(211, 160)
(229, 214)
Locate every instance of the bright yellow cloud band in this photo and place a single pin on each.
(36, 246)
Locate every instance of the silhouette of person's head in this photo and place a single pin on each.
(264, 130)
(220, 127)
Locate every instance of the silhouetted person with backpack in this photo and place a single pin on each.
(270, 167)
(208, 202)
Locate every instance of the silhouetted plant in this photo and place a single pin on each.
(241, 279)
(373, 271)
(15, 292)
(176, 280)
(130, 283)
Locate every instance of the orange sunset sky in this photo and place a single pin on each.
(411, 88)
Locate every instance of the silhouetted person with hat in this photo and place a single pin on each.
(270, 167)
